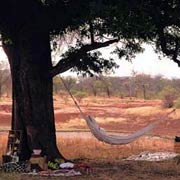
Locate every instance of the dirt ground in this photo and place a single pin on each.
(124, 170)
(122, 115)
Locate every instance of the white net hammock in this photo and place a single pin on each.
(103, 136)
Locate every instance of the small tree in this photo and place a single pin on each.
(64, 96)
(80, 95)
(56, 85)
(178, 103)
(168, 97)
(5, 79)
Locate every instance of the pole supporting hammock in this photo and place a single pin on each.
(102, 135)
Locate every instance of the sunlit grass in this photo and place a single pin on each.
(90, 148)
(3, 144)
(106, 160)
(93, 149)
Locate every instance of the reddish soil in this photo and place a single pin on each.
(5, 114)
(123, 115)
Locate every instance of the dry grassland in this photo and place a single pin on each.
(106, 161)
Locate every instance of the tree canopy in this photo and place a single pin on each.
(130, 22)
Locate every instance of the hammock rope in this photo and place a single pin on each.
(103, 136)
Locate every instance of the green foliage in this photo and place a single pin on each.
(140, 85)
(129, 50)
(121, 95)
(168, 101)
(168, 96)
(79, 95)
(132, 22)
(166, 91)
(177, 105)
(90, 63)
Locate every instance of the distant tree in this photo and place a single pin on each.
(168, 96)
(69, 82)
(97, 87)
(143, 83)
(106, 85)
(79, 95)
(5, 80)
(89, 84)
(177, 105)
(57, 85)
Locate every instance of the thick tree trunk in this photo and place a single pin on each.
(30, 61)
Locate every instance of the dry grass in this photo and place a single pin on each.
(144, 111)
(73, 146)
(93, 149)
(3, 143)
(122, 170)
(107, 162)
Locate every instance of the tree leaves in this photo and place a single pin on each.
(131, 21)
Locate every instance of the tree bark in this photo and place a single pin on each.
(29, 56)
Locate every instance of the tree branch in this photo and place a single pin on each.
(91, 30)
(69, 62)
(169, 52)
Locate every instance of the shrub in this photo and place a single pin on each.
(64, 96)
(178, 103)
(121, 95)
(79, 95)
(168, 101)
(168, 95)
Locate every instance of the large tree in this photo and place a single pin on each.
(28, 27)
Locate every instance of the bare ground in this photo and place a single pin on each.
(123, 170)
(122, 115)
